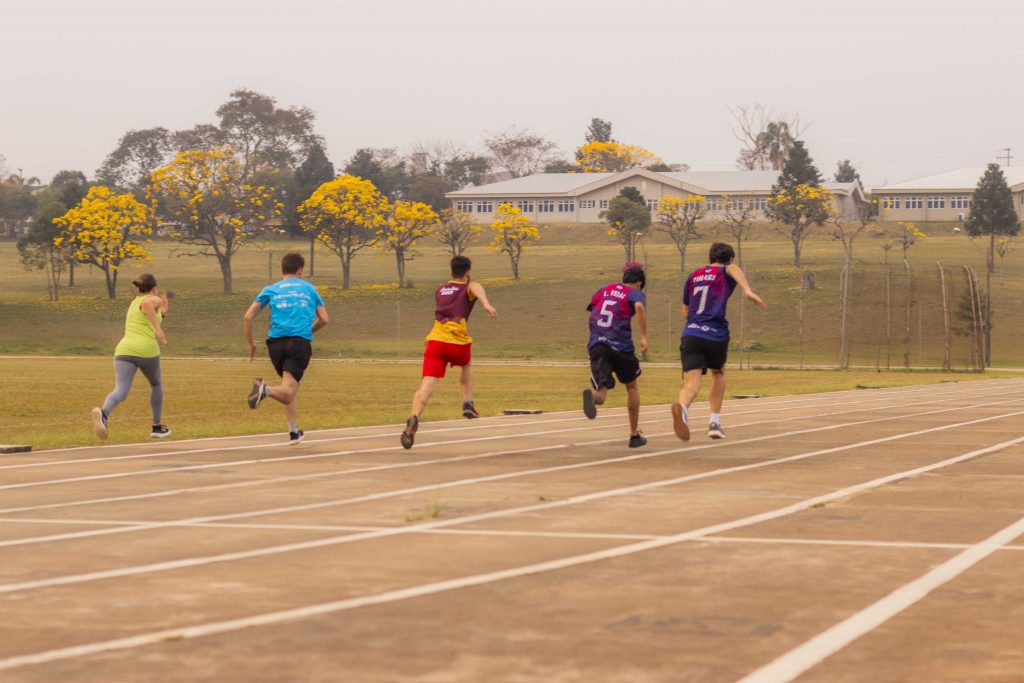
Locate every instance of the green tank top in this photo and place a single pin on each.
(139, 334)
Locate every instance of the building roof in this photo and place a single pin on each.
(699, 182)
(965, 179)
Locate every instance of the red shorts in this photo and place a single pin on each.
(439, 355)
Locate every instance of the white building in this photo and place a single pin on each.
(941, 197)
(581, 197)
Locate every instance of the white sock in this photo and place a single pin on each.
(715, 417)
(293, 426)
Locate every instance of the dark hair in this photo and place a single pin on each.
(292, 263)
(461, 266)
(633, 273)
(145, 283)
(721, 252)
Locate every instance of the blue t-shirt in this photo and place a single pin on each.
(706, 293)
(293, 303)
(611, 310)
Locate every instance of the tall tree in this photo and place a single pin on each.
(766, 136)
(138, 153)
(382, 168)
(431, 189)
(798, 202)
(799, 169)
(521, 151)
(105, 230)
(515, 233)
(629, 220)
(216, 206)
(992, 214)
(405, 225)
(466, 170)
(17, 204)
(599, 130)
(846, 173)
(316, 170)
(38, 250)
(612, 157)
(346, 215)
(678, 218)
(264, 134)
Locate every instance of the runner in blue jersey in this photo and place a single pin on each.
(296, 312)
(705, 343)
(611, 346)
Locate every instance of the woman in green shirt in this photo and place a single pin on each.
(139, 349)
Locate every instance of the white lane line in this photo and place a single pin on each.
(766, 540)
(822, 646)
(773, 399)
(419, 463)
(508, 475)
(395, 531)
(270, 618)
(491, 423)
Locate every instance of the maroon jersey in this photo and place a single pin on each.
(454, 303)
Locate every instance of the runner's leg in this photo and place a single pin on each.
(691, 387)
(151, 370)
(717, 391)
(124, 375)
(422, 395)
(466, 382)
(633, 405)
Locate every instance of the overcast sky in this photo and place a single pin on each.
(901, 87)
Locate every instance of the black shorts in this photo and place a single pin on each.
(604, 360)
(290, 354)
(702, 354)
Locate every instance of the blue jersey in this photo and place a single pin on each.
(611, 310)
(706, 293)
(293, 303)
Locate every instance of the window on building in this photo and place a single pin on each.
(604, 203)
(714, 204)
(759, 203)
(525, 205)
(545, 206)
(736, 204)
(485, 207)
(915, 202)
(566, 205)
(936, 202)
(464, 206)
(586, 203)
(890, 202)
(652, 204)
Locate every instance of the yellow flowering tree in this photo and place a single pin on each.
(455, 229)
(799, 210)
(612, 157)
(346, 215)
(406, 224)
(514, 233)
(215, 203)
(678, 218)
(105, 230)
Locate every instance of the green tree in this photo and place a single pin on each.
(846, 173)
(463, 170)
(316, 170)
(138, 153)
(430, 189)
(37, 249)
(799, 169)
(264, 134)
(798, 201)
(378, 166)
(992, 214)
(599, 130)
(17, 203)
(629, 219)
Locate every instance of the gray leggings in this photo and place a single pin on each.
(124, 373)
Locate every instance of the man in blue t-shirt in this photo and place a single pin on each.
(705, 343)
(296, 312)
(611, 347)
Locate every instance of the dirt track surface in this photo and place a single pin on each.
(850, 536)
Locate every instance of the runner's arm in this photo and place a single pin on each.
(477, 290)
(321, 318)
(250, 314)
(736, 273)
(149, 308)
(641, 322)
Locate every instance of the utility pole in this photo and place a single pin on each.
(1006, 156)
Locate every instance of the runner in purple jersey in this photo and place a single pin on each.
(705, 343)
(611, 349)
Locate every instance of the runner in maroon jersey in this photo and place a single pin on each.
(611, 347)
(449, 342)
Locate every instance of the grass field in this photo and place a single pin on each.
(541, 316)
(45, 401)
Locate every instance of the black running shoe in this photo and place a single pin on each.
(680, 421)
(99, 423)
(469, 410)
(411, 425)
(159, 432)
(257, 392)
(637, 440)
(295, 437)
(589, 408)
(715, 431)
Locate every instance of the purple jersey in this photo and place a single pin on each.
(706, 293)
(611, 310)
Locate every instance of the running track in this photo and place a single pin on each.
(848, 536)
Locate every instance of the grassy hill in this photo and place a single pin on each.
(541, 316)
